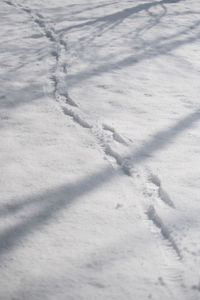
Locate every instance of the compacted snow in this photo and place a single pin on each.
(100, 149)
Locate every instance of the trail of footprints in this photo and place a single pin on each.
(153, 188)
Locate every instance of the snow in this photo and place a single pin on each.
(100, 136)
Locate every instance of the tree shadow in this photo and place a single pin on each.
(45, 206)
(20, 96)
(164, 138)
(120, 16)
(157, 48)
(147, 49)
(74, 10)
(103, 24)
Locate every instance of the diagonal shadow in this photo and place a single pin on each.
(164, 137)
(45, 206)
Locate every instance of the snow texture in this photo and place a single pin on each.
(100, 150)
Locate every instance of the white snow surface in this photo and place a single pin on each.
(100, 149)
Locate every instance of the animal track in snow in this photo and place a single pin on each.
(124, 163)
(68, 99)
(116, 136)
(76, 117)
(162, 194)
(60, 46)
(61, 97)
(39, 20)
(63, 43)
(153, 216)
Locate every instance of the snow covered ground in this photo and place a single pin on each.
(100, 149)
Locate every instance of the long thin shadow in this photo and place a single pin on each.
(121, 15)
(77, 9)
(30, 93)
(86, 9)
(163, 138)
(46, 205)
